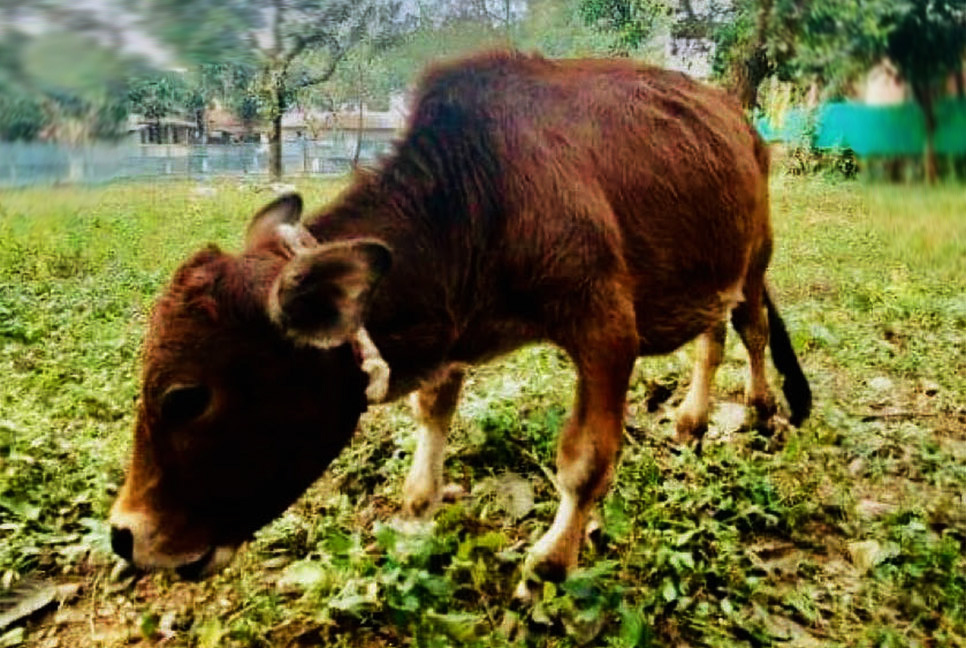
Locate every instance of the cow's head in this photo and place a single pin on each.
(253, 380)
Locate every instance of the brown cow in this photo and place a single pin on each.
(612, 209)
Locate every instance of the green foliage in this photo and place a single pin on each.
(557, 29)
(66, 86)
(293, 45)
(206, 31)
(927, 39)
(838, 42)
(758, 39)
(159, 95)
(633, 21)
(21, 116)
(833, 43)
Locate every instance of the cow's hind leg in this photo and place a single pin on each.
(433, 406)
(692, 415)
(589, 443)
(751, 321)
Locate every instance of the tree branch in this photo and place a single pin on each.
(336, 57)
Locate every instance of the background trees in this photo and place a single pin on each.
(834, 43)
(822, 44)
(291, 45)
(926, 41)
(259, 58)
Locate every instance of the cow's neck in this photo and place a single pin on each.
(414, 319)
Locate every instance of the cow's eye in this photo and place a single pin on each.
(183, 403)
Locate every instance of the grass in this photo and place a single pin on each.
(850, 531)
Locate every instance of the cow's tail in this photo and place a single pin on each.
(795, 386)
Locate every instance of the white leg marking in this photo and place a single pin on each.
(422, 490)
(693, 412)
(563, 523)
(557, 548)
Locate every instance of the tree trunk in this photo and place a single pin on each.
(923, 94)
(506, 18)
(930, 153)
(750, 72)
(275, 148)
(753, 71)
(961, 80)
(202, 123)
(355, 156)
(275, 137)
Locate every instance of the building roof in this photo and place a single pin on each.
(317, 120)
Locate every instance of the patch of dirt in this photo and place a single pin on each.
(145, 611)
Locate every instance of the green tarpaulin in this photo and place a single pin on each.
(871, 130)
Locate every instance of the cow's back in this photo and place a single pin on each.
(599, 166)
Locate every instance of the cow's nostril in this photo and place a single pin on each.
(122, 542)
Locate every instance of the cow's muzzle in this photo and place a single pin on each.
(197, 569)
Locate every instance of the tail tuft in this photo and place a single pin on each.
(795, 386)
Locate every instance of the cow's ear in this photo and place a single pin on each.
(321, 295)
(279, 220)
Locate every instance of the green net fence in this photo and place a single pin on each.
(870, 130)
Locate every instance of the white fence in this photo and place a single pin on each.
(30, 163)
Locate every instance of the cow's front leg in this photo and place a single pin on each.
(433, 406)
(588, 445)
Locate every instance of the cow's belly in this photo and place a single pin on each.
(666, 322)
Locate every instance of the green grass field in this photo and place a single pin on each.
(850, 531)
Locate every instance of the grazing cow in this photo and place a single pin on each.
(612, 209)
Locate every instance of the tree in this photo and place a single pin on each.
(157, 96)
(435, 35)
(634, 22)
(759, 39)
(927, 43)
(68, 64)
(225, 84)
(924, 39)
(558, 28)
(836, 42)
(273, 36)
(21, 115)
(63, 86)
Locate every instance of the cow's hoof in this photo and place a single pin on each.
(526, 591)
(421, 504)
(420, 509)
(594, 532)
(551, 567)
(688, 430)
(535, 573)
(554, 571)
(411, 527)
(764, 406)
(761, 415)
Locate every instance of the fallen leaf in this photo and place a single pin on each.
(13, 638)
(303, 575)
(868, 553)
(30, 601)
